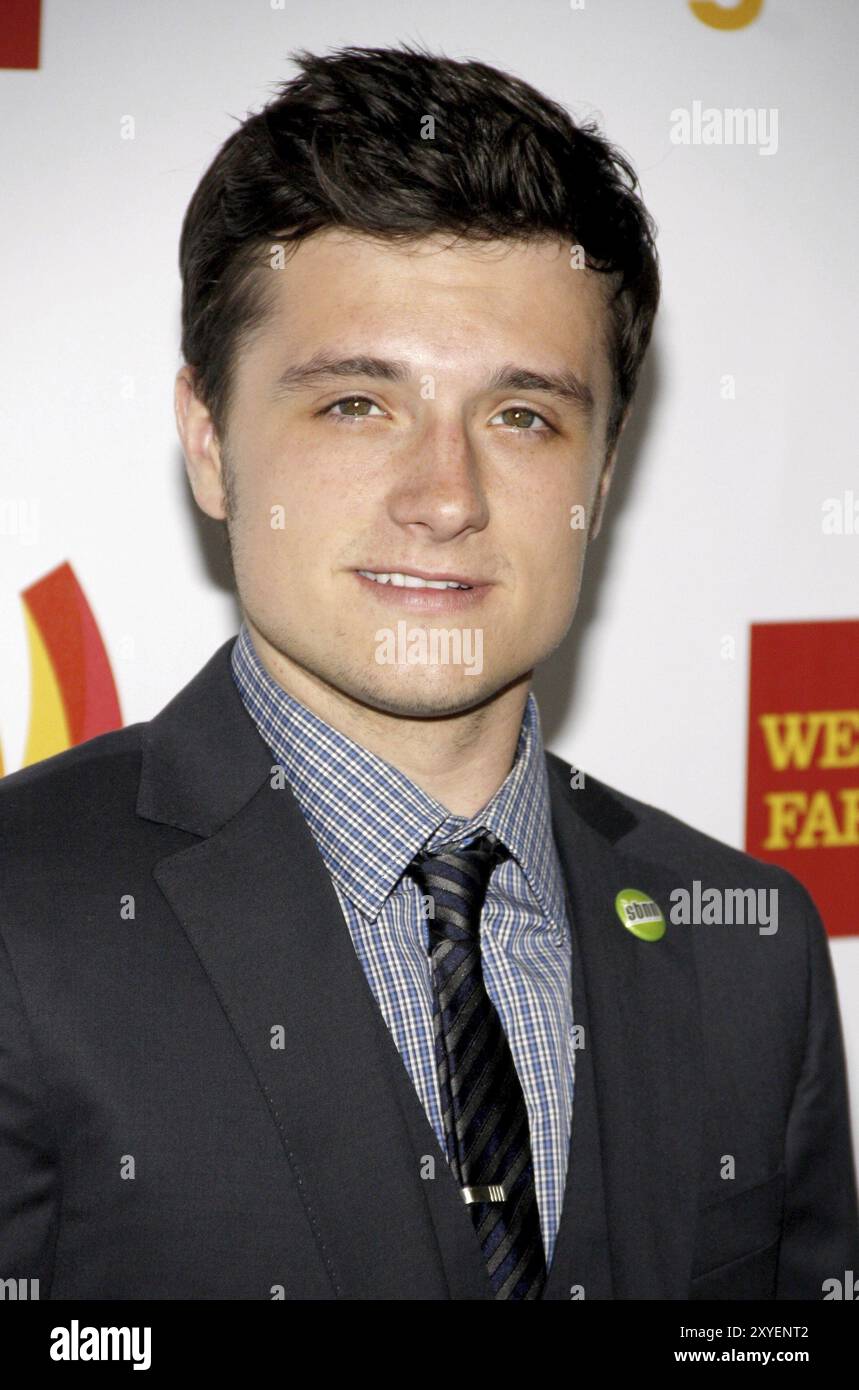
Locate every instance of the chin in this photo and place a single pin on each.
(412, 698)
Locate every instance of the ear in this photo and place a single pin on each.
(606, 475)
(200, 446)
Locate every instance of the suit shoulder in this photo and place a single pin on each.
(88, 780)
(652, 833)
(88, 758)
(683, 854)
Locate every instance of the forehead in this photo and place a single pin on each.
(448, 306)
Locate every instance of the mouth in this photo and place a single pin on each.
(424, 591)
(414, 579)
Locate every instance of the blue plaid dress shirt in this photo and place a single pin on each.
(369, 820)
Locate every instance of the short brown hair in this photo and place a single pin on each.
(342, 145)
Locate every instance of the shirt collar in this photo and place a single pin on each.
(369, 819)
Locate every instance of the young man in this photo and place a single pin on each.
(398, 1010)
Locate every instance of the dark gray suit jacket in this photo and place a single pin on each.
(154, 1143)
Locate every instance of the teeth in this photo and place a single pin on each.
(411, 581)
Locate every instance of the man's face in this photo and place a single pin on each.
(424, 469)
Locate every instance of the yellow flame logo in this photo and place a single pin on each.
(719, 16)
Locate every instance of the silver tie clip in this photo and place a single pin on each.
(495, 1193)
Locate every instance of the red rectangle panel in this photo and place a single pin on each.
(802, 808)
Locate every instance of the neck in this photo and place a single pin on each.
(459, 759)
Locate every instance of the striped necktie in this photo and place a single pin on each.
(484, 1114)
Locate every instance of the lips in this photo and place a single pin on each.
(424, 590)
(416, 579)
(406, 579)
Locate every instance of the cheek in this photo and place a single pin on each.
(284, 500)
(552, 546)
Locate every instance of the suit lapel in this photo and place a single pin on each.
(580, 1265)
(641, 1057)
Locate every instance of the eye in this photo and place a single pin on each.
(520, 412)
(351, 400)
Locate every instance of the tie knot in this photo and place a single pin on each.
(455, 881)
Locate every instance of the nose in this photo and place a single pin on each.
(438, 489)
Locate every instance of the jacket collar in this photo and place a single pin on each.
(203, 760)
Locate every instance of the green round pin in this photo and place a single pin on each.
(640, 914)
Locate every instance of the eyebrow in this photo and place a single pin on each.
(565, 385)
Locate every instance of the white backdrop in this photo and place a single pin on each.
(715, 519)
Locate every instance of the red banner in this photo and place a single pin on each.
(802, 810)
(19, 33)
